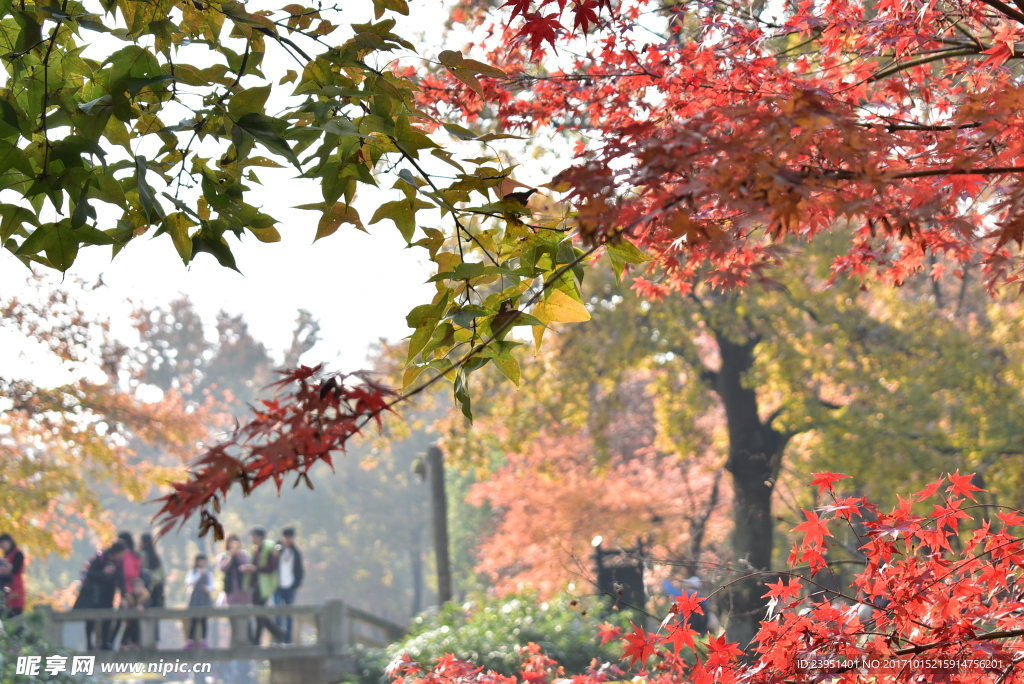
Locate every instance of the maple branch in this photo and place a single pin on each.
(1005, 9)
(892, 128)
(984, 171)
(987, 636)
(925, 173)
(896, 68)
(46, 88)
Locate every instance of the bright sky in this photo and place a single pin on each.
(359, 286)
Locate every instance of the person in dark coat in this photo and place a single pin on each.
(154, 575)
(263, 568)
(101, 580)
(289, 578)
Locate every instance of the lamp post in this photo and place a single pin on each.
(439, 505)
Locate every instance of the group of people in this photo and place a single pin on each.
(272, 571)
(137, 576)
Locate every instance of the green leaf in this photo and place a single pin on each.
(13, 219)
(464, 316)
(216, 246)
(11, 156)
(403, 213)
(57, 240)
(424, 319)
(332, 218)
(462, 393)
(91, 106)
(341, 126)
(627, 252)
(267, 130)
(83, 210)
(147, 196)
(460, 132)
(10, 123)
(504, 361)
(249, 101)
(135, 85)
(176, 225)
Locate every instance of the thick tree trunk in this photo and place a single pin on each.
(755, 455)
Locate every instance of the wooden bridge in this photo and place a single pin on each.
(325, 637)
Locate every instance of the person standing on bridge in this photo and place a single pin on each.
(200, 580)
(101, 580)
(131, 562)
(12, 577)
(237, 582)
(135, 600)
(264, 569)
(131, 570)
(154, 575)
(289, 578)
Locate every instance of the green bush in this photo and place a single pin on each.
(24, 637)
(489, 633)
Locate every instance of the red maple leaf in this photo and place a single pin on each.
(640, 645)
(607, 632)
(929, 490)
(538, 29)
(688, 603)
(824, 481)
(721, 652)
(518, 7)
(962, 485)
(814, 529)
(680, 635)
(585, 14)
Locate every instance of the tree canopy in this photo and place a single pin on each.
(65, 448)
(706, 134)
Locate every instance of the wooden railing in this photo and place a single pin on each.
(325, 631)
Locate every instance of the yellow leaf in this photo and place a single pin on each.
(559, 307)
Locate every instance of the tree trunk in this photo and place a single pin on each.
(755, 455)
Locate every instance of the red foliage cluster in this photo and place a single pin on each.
(734, 124)
(940, 600)
(311, 419)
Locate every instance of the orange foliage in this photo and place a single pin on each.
(552, 502)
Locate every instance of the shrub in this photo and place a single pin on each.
(24, 637)
(491, 633)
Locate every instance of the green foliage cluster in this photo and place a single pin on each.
(25, 637)
(161, 124)
(491, 631)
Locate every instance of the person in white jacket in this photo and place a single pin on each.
(200, 580)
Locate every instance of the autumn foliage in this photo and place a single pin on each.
(552, 500)
(733, 124)
(65, 445)
(939, 597)
(310, 421)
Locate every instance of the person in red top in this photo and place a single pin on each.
(12, 576)
(131, 564)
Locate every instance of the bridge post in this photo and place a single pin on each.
(239, 631)
(334, 634)
(53, 630)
